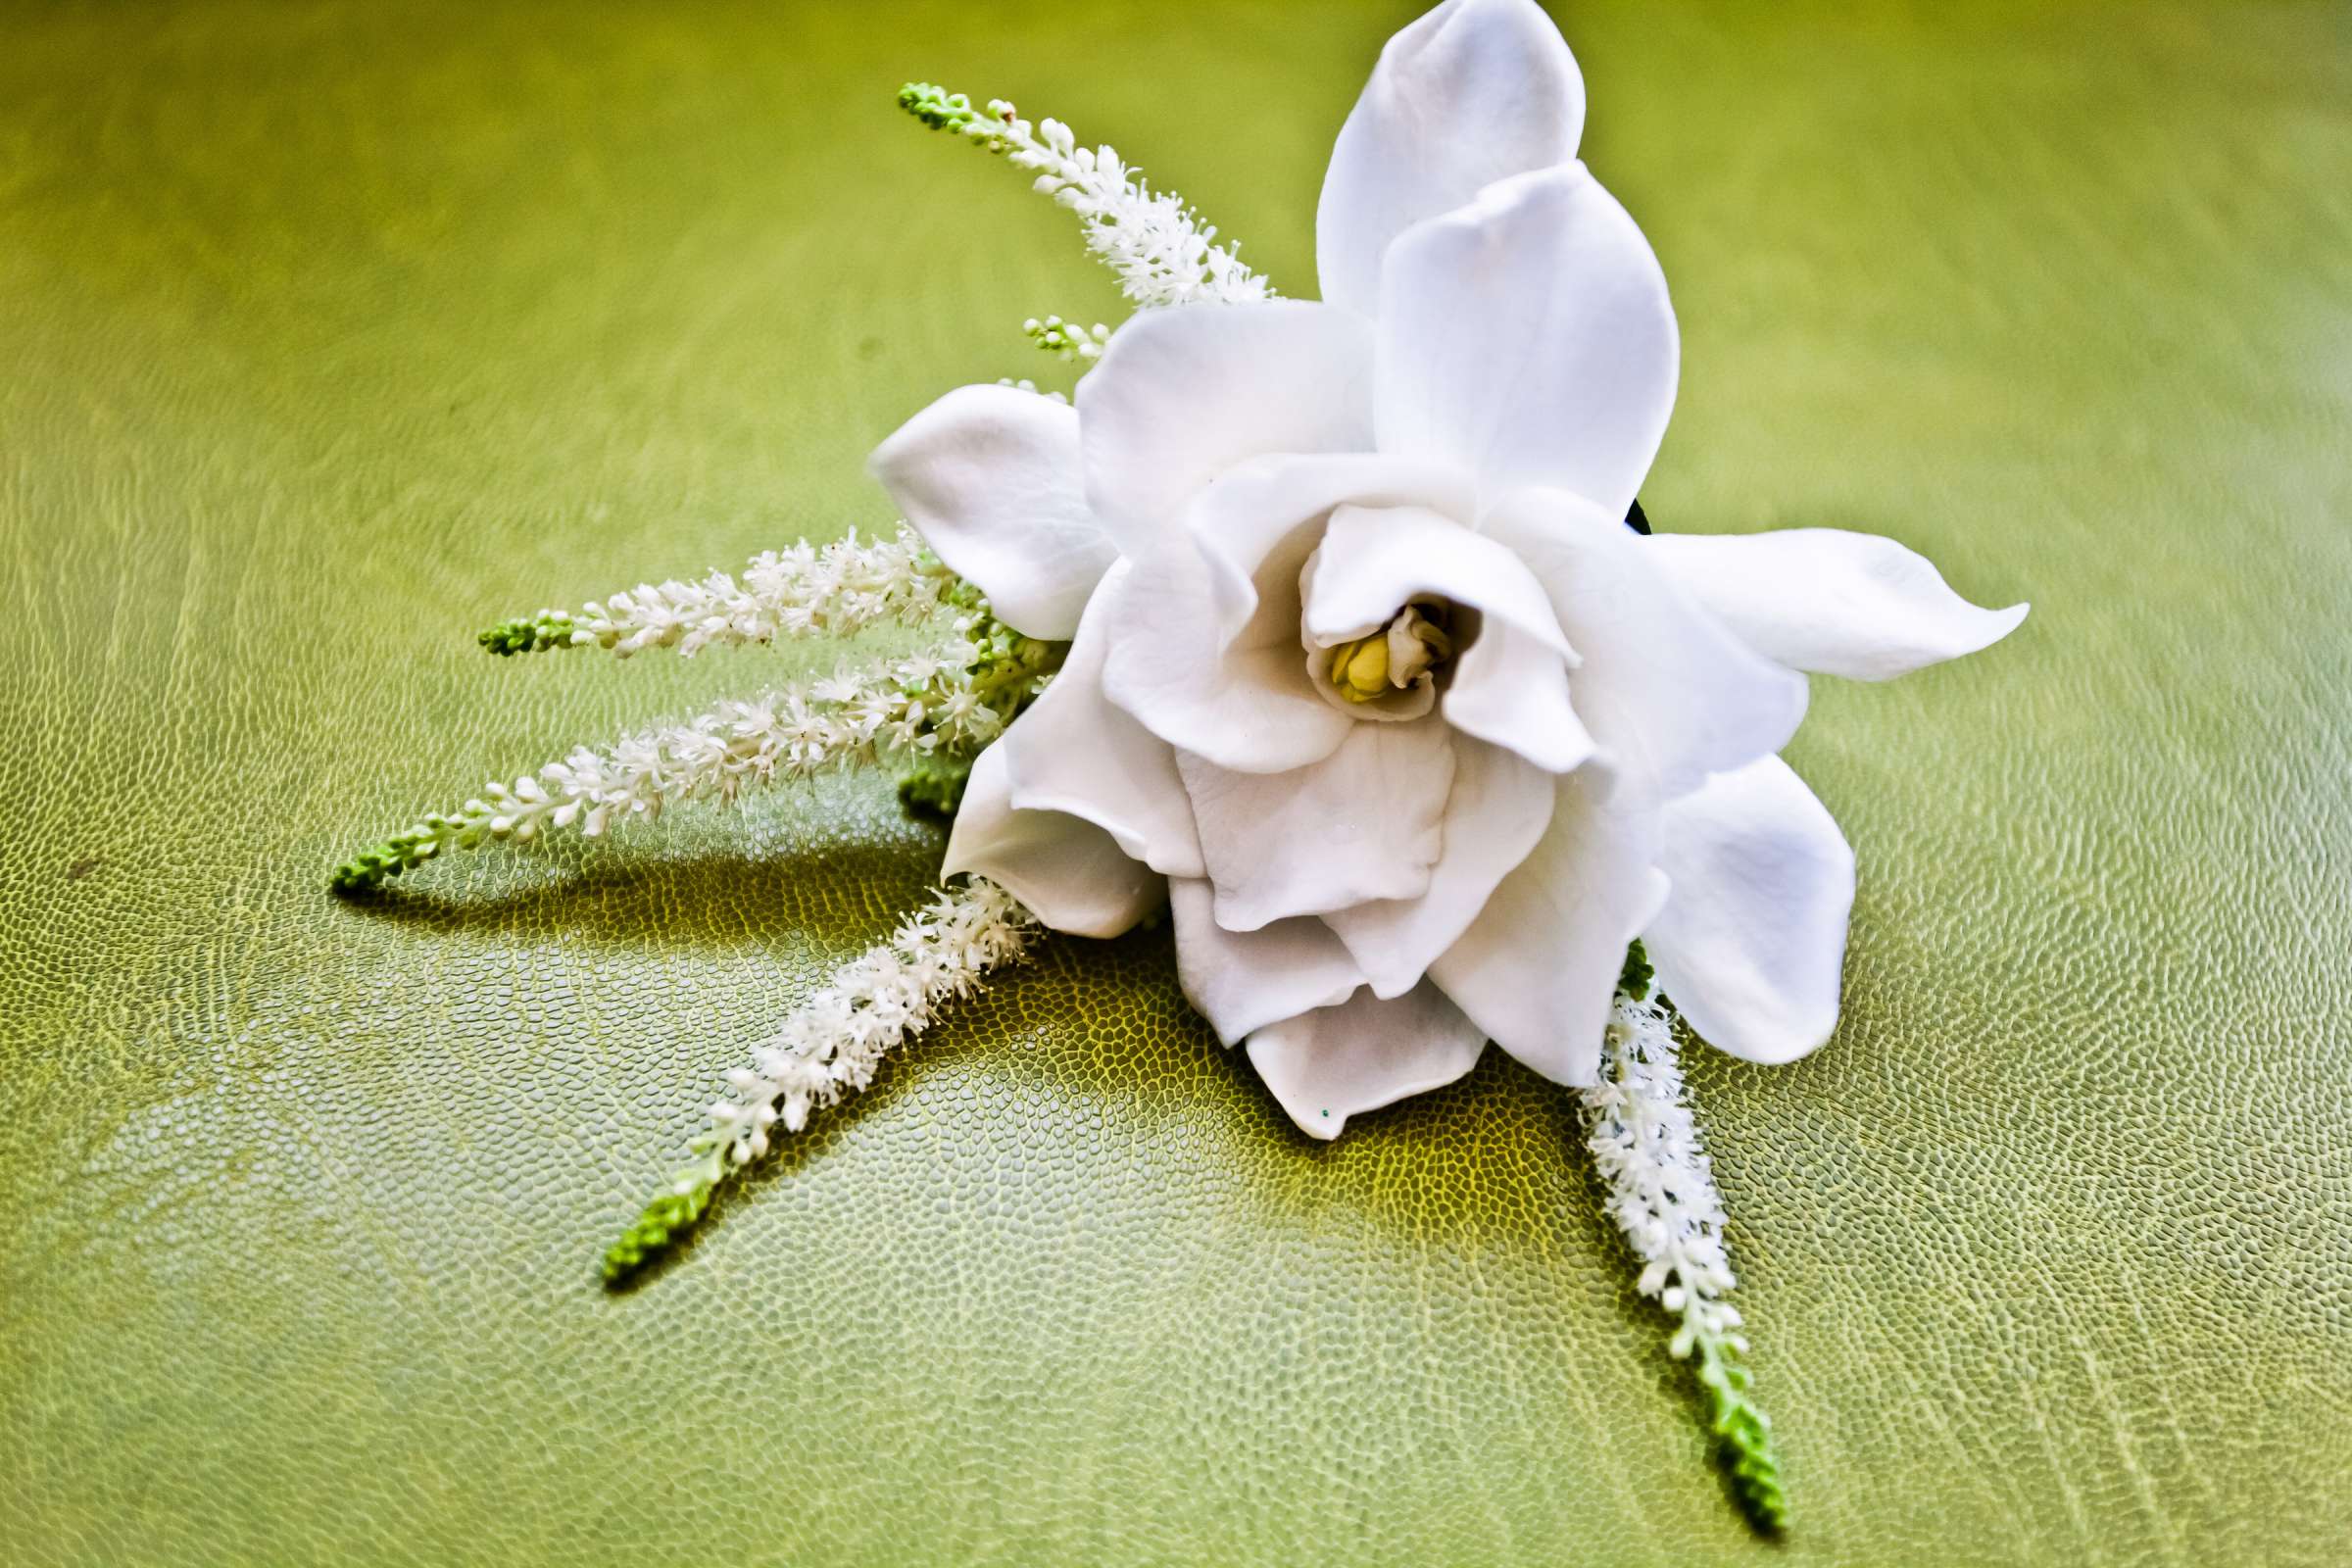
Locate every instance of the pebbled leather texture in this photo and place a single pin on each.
(332, 333)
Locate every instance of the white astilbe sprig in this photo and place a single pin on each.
(831, 1046)
(1661, 1192)
(1156, 244)
(835, 589)
(951, 702)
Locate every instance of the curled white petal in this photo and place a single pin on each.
(1259, 523)
(1528, 338)
(1668, 692)
(1071, 874)
(1831, 601)
(1075, 751)
(1242, 980)
(1751, 942)
(1494, 818)
(1334, 1062)
(1365, 824)
(1472, 92)
(1512, 690)
(1180, 396)
(1248, 707)
(1537, 967)
(1376, 558)
(992, 478)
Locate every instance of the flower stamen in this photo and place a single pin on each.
(1411, 647)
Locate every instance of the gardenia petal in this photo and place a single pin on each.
(1510, 689)
(1261, 520)
(992, 478)
(1474, 92)
(1075, 751)
(1070, 873)
(1334, 1062)
(1666, 689)
(1751, 943)
(1510, 684)
(1528, 338)
(1367, 822)
(1241, 981)
(1182, 395)
(1539, 966)
(1373, 561)
(1495, 817)
(1831, 602)
(1248, 708)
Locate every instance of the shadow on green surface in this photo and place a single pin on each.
(841, 894)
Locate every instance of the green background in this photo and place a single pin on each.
(330, 334)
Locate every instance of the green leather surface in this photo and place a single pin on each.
(328, 335)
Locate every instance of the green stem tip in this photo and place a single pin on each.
(936, 107)
(366, 870)
(665, 1222)
(530, 635)
(1744, 1436)
(1636, 977)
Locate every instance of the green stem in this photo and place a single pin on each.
(933, 785)
(1743, 1434)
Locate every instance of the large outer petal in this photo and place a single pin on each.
(1070, 873)
(1367, 822)
(1494, 818)
(1472, 92)
(1242, 980)
(1537, 967)
(1076, 751)
(1751, 943)
(1334, 1062)
(1182, 395)
(1666, 689)
(1831, 602)
(1528, 338)
(992, 478)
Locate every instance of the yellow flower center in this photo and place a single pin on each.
(1411, 646)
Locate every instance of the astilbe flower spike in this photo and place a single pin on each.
(836, 589)
(831, 1046)
(1155, 241)
(1662, 1194)
(929, 708)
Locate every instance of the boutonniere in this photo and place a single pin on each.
(1335, 631)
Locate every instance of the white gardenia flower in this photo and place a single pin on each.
(1370, 680)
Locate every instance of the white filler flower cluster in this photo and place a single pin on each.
(1155, 241)
(833, 1044)
(805, 590)
(884, 998)
(1161, 251)
(1662, 1194)
(949, 702)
